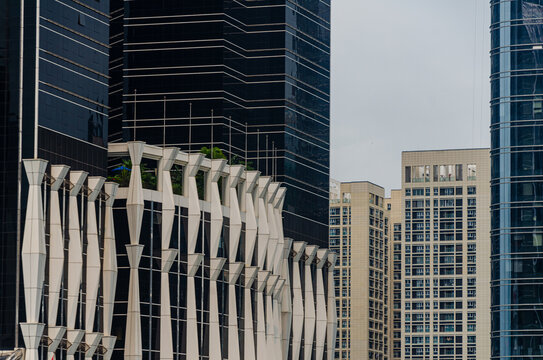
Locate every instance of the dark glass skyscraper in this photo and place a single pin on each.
(517, 178)
(53, 105)
(251, 77)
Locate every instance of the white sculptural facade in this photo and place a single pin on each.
(201, 273)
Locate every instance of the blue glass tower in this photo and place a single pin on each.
(517, 178)
(53, 105)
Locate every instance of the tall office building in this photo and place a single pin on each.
(446, 250)
(53, 105)
(395, 211)
(359, 226)
(517, 182)
(250, 77)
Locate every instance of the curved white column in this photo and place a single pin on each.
(194, 260)
(251, 225)
(93, 252)
(249, 334)
(235, 268)
(286, 302)
(56, 259)
(234, 272)
(331, 308)
(273, 235)
(251, 272)
(309, 303)
(168, 255)
(277, 212)
(191, 192)
(75, 262)
(263, 224)
(109, 269)
(277, 326)
(261, 343)
(166, 340)
(134, 210)
(132, 344)
(270, 326)
(92, 339)
(33, 254)
(215, 352)
(217, 169)
(235, 212)
(297, 299)
(321, 315)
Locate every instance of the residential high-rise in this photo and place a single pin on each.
(446, 250)
(517, 182)
(395, 211)
(359, 226)
(250, 77)
(53, 106)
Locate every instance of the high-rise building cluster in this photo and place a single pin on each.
(165, 193)
(413, 270)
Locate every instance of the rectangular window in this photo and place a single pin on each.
(459, 176)
(408, 174)
(472, 172)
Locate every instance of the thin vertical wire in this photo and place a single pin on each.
(275, 164)
(245, 145)
(230, 141)
(272, 162)
(190, 126)
(212, 134)
(258, 149)
(135, 108)
(267, 173)
(164, 127)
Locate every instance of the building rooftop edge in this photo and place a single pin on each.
(461, 149)
(361, 182)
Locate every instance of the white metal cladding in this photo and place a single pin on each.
(283, 316)
(70, 206)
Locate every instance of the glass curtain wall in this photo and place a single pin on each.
(517, 178)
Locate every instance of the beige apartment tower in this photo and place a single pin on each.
(445, 242)
(395, 211)
(359, 233)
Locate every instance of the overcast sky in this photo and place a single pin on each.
(406, 75)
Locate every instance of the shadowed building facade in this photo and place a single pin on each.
(53, 105)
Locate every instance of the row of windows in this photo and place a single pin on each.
(420, 271)
(440, 203)
(439, 328)
(441, 173)
(420, 249)
(439, 305)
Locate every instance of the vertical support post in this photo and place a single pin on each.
(56, 259)
(109, 270)
(33, 254)
(134, 210)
